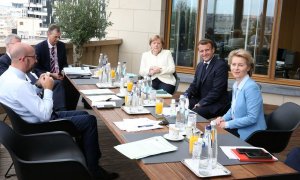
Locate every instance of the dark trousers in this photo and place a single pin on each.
(59, 96)
(157, 84)
(87, 125)
(202, 111)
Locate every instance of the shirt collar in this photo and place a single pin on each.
(50, 45)
(242, 83)
(17, 72)
(207, 62)
(8, 54)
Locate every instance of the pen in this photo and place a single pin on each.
(108, 99)
(149, 125)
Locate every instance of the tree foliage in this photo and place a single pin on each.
(81, 20)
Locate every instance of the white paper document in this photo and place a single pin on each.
(103, 104)
(96, 91)
(77, 71)
(103, 98)
(138, 124)
(146, 147)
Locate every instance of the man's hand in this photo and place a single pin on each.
(57, 76)
(46, 81)
(196, 106)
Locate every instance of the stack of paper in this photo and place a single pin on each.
(78, 71)
(138, 124)
(96, 91)
(147, 147)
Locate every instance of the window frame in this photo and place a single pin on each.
(269, 78)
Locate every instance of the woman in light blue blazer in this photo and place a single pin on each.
(246, 113)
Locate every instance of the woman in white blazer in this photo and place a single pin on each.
(159, 64)
(246, 114)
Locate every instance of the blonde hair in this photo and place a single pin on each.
(243, 54)
(156, 37)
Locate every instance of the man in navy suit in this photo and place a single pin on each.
(208, 92)
(5, 59)
(5, 62)
(51, 57)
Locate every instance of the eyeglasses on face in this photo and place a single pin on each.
(34, 56)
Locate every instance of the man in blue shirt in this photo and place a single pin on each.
(21, 97)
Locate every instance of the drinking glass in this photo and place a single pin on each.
(159, 106)
(192, 118)
(129, 85)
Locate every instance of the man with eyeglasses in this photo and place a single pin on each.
(51, 57)
(17, 93)
(5, 61)
(208, 92)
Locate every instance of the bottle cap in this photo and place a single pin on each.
(208, 127)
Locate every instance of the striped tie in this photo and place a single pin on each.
(52, 60)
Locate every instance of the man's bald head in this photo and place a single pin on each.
(23, 57)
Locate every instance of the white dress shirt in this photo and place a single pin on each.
(20, 95)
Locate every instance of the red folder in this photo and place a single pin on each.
(245, 158)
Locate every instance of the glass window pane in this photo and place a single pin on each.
(247, 24)
(183, 31)
(288, 52)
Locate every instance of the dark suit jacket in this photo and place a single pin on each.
(5, 62)
(212, 90)
(43, 57)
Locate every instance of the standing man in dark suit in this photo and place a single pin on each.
(208, 92)
(5, 59)
(51, 57)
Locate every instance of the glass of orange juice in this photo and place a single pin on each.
(192, 140)
(129, 85)
(113, 73)
(159, 104)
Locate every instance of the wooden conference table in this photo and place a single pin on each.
(178, 170)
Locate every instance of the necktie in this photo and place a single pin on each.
(203, 71)
(52, 60)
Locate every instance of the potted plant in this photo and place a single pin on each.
(81, 20)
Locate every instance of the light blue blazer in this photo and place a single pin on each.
(249, 114)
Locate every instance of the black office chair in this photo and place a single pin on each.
(280, 125)
(23, 127)
(1, 112)
(51, 155)
(177, 81)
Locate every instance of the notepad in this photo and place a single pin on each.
(78, 71)
(96, 91)
(146, 147)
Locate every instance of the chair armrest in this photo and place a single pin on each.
(57, 125)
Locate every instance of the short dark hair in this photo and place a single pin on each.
(207, 41)
(53, 27)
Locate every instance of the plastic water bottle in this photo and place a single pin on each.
(119, 72)
(100, 61)
(124, 69)
(214, 144)
(108, 69)
(180, 120)
(205, 162)
(184, 111)
(173, 108)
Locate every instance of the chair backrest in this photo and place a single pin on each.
(7, 136)
(177, 81)
(19, 125)
(289, 59)
(285, 117)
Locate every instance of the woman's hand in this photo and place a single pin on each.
(154, 70)
(219, 120)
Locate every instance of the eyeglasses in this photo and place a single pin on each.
(34, 56)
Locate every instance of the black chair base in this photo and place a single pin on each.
(7, 175)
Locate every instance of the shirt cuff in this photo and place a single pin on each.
(226, 125)
(48, 93)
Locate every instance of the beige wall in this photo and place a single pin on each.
(135, 21)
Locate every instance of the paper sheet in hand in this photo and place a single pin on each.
(146, 147)
(77, 71)
(96, 91)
